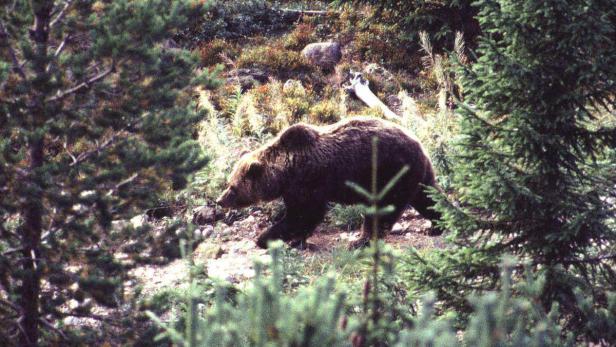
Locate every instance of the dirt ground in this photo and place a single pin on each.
(229, 251)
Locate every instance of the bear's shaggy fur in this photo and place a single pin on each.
(308, 166)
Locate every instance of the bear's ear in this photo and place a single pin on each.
(255, 169)
(297, 137)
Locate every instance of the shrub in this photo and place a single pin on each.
(437, 131)
(210, 52)
(302, 35)
(325, 112)
(235, 20)
(320, 314)
(276, 59)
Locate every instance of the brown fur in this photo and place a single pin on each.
(308, 166)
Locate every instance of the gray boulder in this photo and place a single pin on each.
(323, 54)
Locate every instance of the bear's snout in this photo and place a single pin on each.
(226, 199)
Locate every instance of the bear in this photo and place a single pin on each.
(308, 167)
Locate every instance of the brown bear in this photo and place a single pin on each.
(308, 167)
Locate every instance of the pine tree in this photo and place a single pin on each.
(96, 118)
(533, 177)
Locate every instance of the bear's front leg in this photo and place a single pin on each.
(297, 224)
(384, 225)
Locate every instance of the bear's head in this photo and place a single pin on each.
(251, 181)
(256, 178)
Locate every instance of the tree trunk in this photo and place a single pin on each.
(31, 238)
(32, 208)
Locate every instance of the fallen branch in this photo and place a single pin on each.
(307, 12)
(359, 86)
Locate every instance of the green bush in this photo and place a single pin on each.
(320, 314)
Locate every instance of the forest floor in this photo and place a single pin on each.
(230, 254)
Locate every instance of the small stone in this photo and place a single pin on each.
(204, 232)
(207, 215)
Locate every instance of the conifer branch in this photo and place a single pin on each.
(589, 260)
(9, 305)
(53, 328)
(4, 35)
(85, 84)
(110, 141)
(85, 155)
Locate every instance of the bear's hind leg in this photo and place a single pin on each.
(297, 225)
(423, 204)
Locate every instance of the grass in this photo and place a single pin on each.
(346, 217)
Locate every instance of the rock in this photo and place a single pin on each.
(206, 215)
(159, 212)
(350, 236)
(210, 251)
(119, 225)
(248, 78)
(323, 54)
(138, 221)
(204, 232)
(397, 229)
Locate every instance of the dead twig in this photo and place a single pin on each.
(85, 155)
(61, 46)
(61, 14)
(85, 84)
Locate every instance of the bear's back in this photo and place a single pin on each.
(361, 130)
